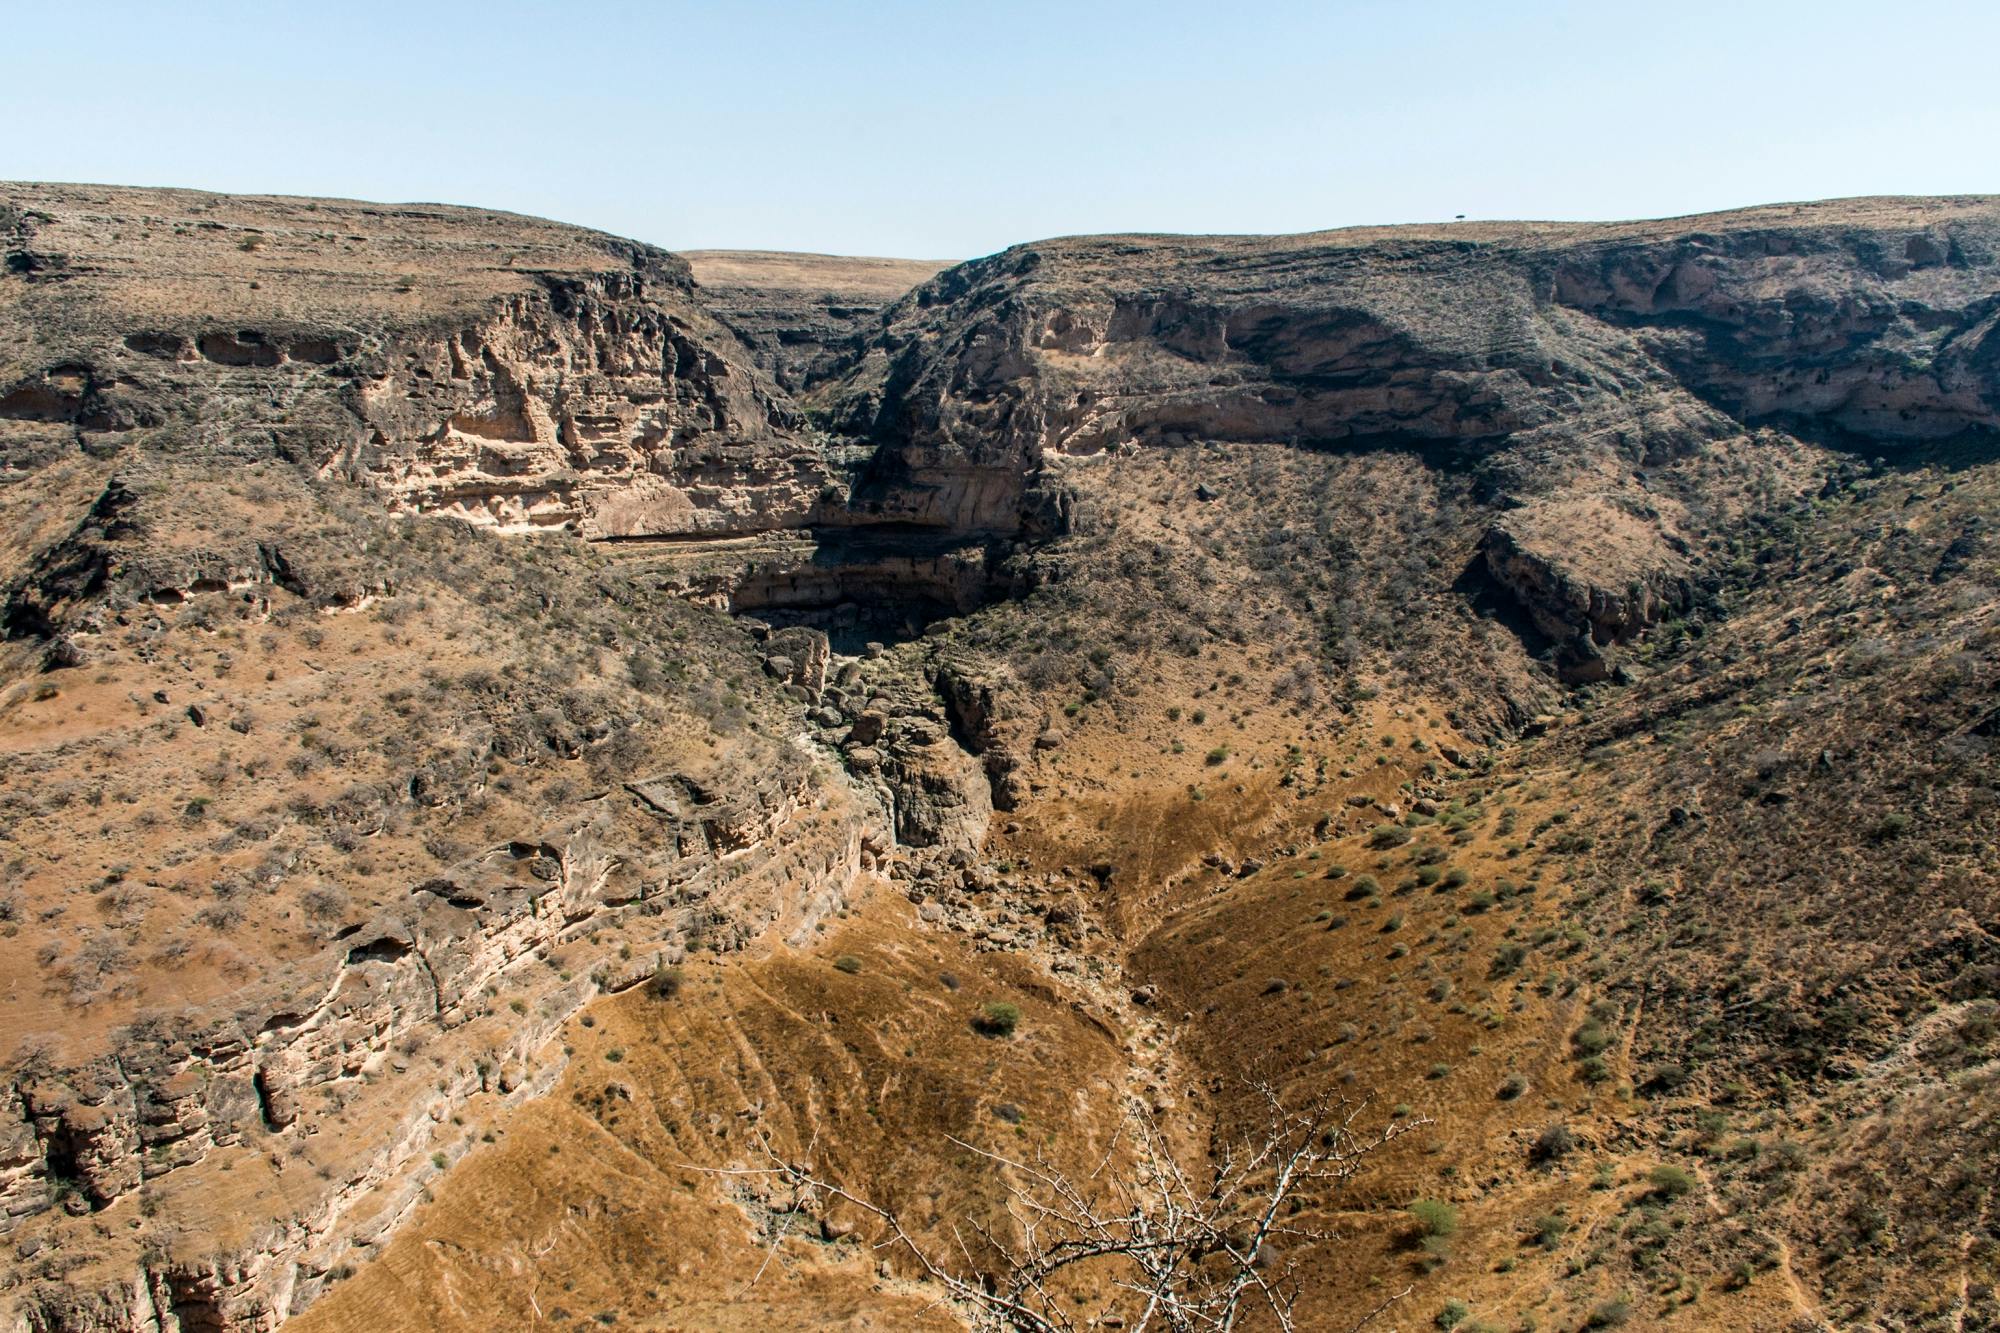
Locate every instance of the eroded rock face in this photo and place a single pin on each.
(512, 373)
(598, 403)
(1580, 608)
(1549, 358)
(398, 1020)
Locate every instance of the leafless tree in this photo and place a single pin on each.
(1192, 1249)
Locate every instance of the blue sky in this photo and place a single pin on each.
(945, 130)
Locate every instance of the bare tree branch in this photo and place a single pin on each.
(1194, 1244)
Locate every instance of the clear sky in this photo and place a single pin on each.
(946, 130)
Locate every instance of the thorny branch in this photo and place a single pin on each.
(1194, 1249)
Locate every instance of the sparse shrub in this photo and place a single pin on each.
(847, 963)
(1553, 1144)
(1889, 827)
(1610, 1314)
(667, 982)
(1665, 1078)
(1591, 1038)
(323, 902)
(1671, 1182)
(1512, 1087)
(1434, 1218)
(997, 1018)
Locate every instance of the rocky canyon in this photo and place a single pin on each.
(521, 747)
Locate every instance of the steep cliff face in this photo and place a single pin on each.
(1545, 358)
(588, 405)
(508, 372)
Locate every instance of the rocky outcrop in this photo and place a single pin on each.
(976, 704)
(596, 403)
(550, 376)
(1572, 607)
(399, 1024)
(939, 793)
(1870, 315)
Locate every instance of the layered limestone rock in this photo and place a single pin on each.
(1549, 358)
(1633, 572)
(509, 372)
(397, 1028)
(904, 577)
(1868, 314)
(589, 405)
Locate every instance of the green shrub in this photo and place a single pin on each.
(1671, 1182)
(847, 963)
(997, 1018)
(1591, 1038)
(1889, 827)
(1610, 1314)
(1434, 1217)
(667, 982)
